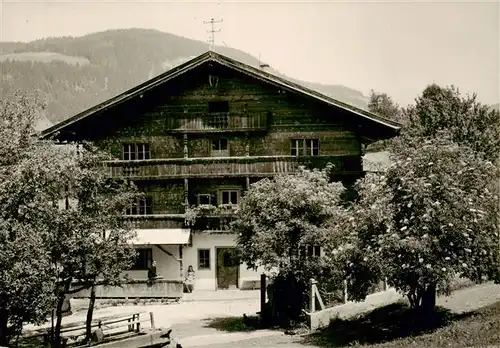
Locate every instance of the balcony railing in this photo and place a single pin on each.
(212, 223)
(218, 122)
(213, 167)
(154, 221)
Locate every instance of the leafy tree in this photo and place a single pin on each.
(18, 114)
(26, 279)
(432, 216)
(89, 243)
(469, 122)
(104, 201)
(60, 221)
(278, 218)
(435, 213)
(349, 248)
(383, 105)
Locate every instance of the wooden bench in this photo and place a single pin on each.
(113, 327)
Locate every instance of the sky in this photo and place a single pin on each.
(396, 47)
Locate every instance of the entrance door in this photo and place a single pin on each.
(227, 269)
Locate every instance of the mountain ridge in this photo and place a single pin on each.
(118, 60)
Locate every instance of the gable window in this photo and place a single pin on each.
(203, 259)
(304, 147)
(143, 206)
(220, 148)
(143, 259)
(229, 197)
(204, 199)
(218, 106)
(218, 116)
(132, 152)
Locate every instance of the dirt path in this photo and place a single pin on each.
(472, 298)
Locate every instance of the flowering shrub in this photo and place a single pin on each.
(433, 215)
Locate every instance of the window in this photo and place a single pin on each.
(143, 259)
(304, 147)
(218, 106)
(204, 199)
(142, 207)
(133, 152)
(203, 258)
(310, 251)
(313, 250)
(230, 259)
(218, 116)
(312, 147)
(229, 197)
(297, 147)
(219, 145)
(220, 148)
(143, 151)
(128, 152)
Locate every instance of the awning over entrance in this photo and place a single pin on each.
(170, 236)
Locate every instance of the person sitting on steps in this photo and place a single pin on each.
(189, 280)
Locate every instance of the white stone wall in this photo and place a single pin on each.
(206, 279)
(322, 318)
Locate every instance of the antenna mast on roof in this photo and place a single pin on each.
(262, 65)
(212, 32)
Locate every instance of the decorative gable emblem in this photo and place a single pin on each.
(213, 81)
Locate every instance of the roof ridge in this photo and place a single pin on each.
(315, 92)
(224, 60)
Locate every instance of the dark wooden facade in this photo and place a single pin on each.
(206, 132)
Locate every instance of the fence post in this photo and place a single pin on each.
(345, 291)
(385, 284)
(152, 318)
(262, 294)
(312, 295)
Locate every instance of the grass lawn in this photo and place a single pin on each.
(396, 326)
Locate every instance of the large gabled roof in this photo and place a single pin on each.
(211, 56)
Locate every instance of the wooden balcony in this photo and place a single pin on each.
(218, 122)
(152, 221)
(217, 167)
(212, 223)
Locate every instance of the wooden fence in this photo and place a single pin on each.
(322, 315)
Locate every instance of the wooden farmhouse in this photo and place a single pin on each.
(200, 134)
